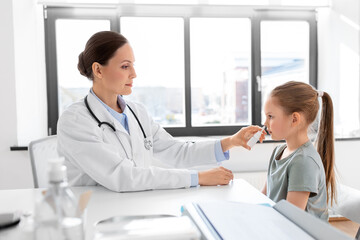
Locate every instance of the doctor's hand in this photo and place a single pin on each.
(241, 138)
(216, 176)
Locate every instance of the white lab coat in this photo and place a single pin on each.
(119, 161)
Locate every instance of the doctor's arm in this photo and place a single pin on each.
(221, 175)
(180, 154)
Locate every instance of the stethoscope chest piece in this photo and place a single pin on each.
(147, 144)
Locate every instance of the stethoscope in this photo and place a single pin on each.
(147, 143)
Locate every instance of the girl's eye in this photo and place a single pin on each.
(270, 117)
(125, 67)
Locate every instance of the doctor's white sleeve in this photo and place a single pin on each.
(179, 153)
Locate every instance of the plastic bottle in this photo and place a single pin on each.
(57, 216)
(255, 138)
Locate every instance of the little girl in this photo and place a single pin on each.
(297, 172)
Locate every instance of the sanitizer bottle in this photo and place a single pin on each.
(57, 216)
(255, 138)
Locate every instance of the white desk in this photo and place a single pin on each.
(104, 203)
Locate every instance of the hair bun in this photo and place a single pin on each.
(81, 65)
(99, 48)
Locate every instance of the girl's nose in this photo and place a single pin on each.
(265, 124)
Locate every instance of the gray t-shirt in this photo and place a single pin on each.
(301, 171)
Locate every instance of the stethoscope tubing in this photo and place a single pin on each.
(94, 116)
(109, 124)
(142, 130)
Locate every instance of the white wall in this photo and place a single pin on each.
(338, 46)
(339, 67)
(14, 166)
(31, 100)
(348, 163)
(22, 92)
(23, 59)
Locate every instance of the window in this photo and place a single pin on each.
(200, 70)
(284, 54)
(220, 56)
(159, 64)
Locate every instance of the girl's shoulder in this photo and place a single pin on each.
(307, 154)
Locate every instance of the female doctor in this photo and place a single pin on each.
(110, 142)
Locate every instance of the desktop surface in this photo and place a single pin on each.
(105, 203)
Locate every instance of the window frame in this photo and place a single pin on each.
(280, 15)
(114, 13)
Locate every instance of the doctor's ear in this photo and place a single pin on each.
(97, 70)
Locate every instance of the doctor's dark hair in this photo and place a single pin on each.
(99, 48)
(303, 98)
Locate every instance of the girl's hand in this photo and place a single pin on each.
(241, 138)
(215, 176)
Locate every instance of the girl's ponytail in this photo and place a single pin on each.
(325, 144)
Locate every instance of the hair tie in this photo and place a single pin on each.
(320, 93)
